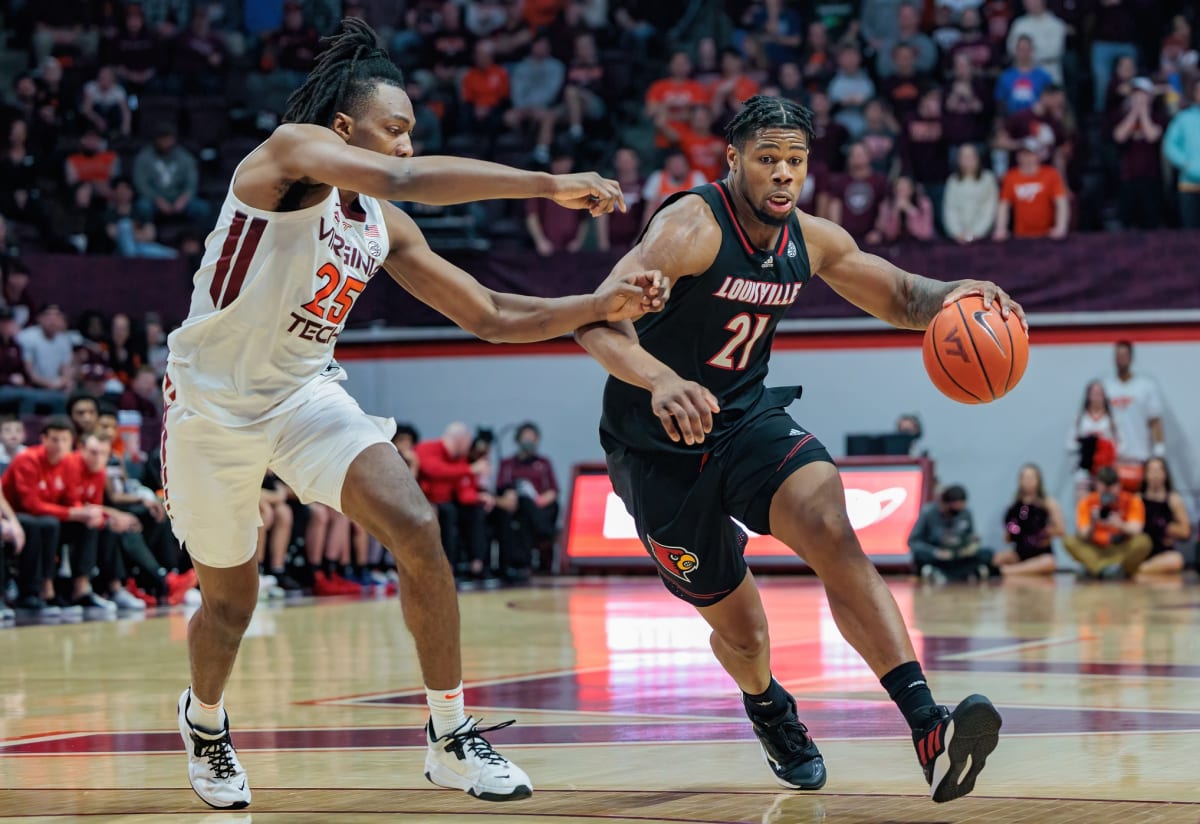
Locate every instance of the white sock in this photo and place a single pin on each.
(446, 709)
(208, 717)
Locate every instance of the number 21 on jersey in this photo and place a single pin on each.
(347, 290)
(746, 329)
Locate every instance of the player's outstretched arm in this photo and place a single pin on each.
(308, 153)
(505, 318)
(903, 299)
(682, 240)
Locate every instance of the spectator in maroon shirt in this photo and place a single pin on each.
(855, 197)
(17, 295)
(1139, 136)
(620, 229)
(555, 228)
(526, 506)
(294, 47)
(829, 136)
(924, 150)
(134, 51)
(975, 43)
(199, 56)
(143, 395)
(968, 104)
(879, 136)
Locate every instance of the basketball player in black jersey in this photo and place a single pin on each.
(694, 439)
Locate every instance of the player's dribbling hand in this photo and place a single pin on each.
(685, 408)
(587, 190)
(991, 293)
(630, 296)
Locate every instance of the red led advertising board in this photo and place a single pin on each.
(883, 498)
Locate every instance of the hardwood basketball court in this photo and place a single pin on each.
(623, 715)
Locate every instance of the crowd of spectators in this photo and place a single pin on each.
(1127, 519)
(83, 525)
(124, 119)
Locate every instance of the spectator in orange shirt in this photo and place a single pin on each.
(1034, 195)
(93, 163)
(675, 96)
(484, 93)
(1110, 542)
(704, 150)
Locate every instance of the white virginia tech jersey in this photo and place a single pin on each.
(269, 301)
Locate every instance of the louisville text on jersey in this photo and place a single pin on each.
(760, 293)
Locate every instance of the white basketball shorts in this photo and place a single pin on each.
(212, 473)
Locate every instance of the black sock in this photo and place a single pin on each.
(279, 572)
(329, 566)
(906, 686)
(770, 703)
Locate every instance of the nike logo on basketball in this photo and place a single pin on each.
(987, 327)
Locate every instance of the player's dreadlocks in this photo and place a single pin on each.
(762, 112)
(344, 76)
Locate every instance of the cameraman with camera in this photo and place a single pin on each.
(1110, 543)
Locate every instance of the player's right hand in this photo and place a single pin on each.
(685, 408)
(587, 190)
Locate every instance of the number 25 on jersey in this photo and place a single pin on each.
(347, 290)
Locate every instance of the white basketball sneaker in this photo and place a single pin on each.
(213, 767)
(464, 760)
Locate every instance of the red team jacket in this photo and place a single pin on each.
(33, 486)
(440, 476)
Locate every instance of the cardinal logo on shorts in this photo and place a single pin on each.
(676, 560)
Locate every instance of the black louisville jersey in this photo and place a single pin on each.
(716, 330)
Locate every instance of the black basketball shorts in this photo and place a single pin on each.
(684, 505)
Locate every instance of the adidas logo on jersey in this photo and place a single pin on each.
(796, 432)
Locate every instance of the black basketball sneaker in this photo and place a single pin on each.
(955, 746)
(788, 749)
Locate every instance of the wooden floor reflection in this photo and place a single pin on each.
(622, 714)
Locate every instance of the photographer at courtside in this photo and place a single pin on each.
(1109, 541)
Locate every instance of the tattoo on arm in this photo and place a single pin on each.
(923, 299)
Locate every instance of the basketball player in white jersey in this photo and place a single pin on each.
(251, 382)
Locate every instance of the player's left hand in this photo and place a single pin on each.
(630, 296)
(991, 293)
(587, 190)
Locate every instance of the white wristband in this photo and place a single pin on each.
(1160, 450)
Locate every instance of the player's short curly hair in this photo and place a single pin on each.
(764, 112)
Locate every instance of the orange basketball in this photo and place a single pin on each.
(972, 354)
